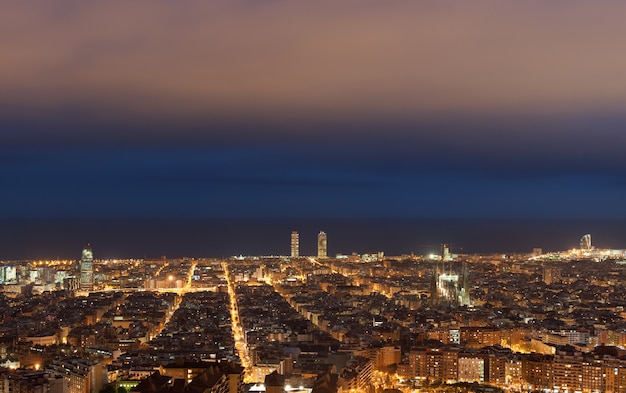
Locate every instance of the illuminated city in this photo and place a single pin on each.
(359, 323)
(354, 196)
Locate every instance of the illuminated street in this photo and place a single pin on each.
(238, 334)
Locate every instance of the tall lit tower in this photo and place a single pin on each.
(464, 297)
(434, 286)
(295, 244)
(322, 245)
(445, 253)
(547, 275)
(585, 243)
(86, 269)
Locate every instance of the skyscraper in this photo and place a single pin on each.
(585, 243)
(86, 269)
(322, 245)
(295, 244)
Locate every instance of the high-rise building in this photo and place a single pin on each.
(445, 253)
(86, 269)
(322, 246)
(434, 286)
(585, 243)
(547, 275)
(295, 244)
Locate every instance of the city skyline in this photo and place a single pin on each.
(360, 324)
(356, 121)
(459, 156)
(148, 239)
(280, 110)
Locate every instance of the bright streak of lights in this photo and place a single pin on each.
(240, 345)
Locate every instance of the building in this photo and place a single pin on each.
(495, 367)
(322, 245)
(206, 377)
(418, 364)
(82, 375)
(71, 283)
(295, 244)
(30, 381)
(537, 371)
(479, 336)
(593, 375)
(356, 375)
(435, 363)
(450, 364)
(153, 383)
(547, 275)
(274, 383)
(449, 288)
(387, 356)
(513, 373)
(567, 375)
(8, 274)
(471, 368)
(585, 243)
(326, 382)
(86, 269)
(213, 380)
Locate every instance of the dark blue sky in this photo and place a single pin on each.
(435, 174)
(284, 110)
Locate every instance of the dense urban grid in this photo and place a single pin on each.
(358, 323)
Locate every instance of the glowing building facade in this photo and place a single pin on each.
(322, 245)
(449, 288)
(585, 243)
(295, 244)
(86, 269)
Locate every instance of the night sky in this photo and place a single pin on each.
(288, 109)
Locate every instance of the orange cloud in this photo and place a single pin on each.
(318, 59)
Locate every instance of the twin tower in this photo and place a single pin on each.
(322, 246)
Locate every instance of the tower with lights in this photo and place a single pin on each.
(86, 269)
(295, 244)
(446, 287)
(322, 245)
(585, 243)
